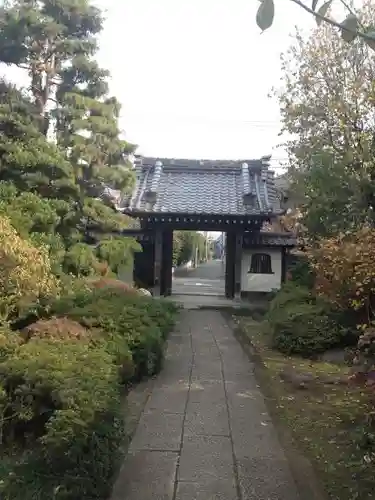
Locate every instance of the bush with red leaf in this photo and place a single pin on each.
(56, 329)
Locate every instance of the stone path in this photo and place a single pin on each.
(205, 433)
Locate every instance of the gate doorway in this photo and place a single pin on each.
(199, 267)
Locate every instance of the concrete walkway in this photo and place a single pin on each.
(205, 433)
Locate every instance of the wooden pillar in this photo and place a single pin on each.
(238, 265)
(166, 263)
(143, 270)
(158, 254)
(230, 264)
(283, 264)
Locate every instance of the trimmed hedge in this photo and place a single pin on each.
(60, 395)
(301, 323)
(140, 323)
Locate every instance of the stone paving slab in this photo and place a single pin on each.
(209, 391)
(146, 475)
(265, 479)
(158, 431)
(204, 458)
(206, 419)
(205, 433)
(217, 489)
(208, 371)
(172, 399)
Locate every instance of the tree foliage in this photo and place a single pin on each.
(326, 103)
(345, 275)
(187, 245)
(25, 273)
(43, 37)
(61, 150)
(60, 378)
(344, 271)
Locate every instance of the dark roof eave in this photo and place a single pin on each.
(145, 213)
(270, 243)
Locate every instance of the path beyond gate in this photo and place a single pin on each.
(235, 197)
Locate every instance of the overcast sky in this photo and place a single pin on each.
(193, 76)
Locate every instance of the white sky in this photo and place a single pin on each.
(193, 76)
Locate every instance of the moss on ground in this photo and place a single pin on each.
(324, 421)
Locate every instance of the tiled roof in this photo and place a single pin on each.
(203, 187)
(267, 238)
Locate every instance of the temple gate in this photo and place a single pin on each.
(236, 197)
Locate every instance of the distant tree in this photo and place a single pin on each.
(190, 243)
(177, 243)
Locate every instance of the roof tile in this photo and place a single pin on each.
(208, 187)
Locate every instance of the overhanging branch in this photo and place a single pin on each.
(361, 34)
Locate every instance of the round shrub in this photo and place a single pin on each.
(302, 323)
(363, 357)
(304, 329)
(53, 391)
(117, 346)
(127, 327)
(290, 293)
(62, 401)
(129, 323)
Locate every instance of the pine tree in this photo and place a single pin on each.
(26, 158)
(42, 37)
(87, 129)
(55, 41)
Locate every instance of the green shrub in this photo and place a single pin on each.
(9, 342)
(304, 329)
(83, 471)
(25, 273)
(302, 324)
(60, 418)
(59, 401)
(128, 322)
(301, 272)
(290, 293)
(55, 388)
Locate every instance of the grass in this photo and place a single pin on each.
(323, 421)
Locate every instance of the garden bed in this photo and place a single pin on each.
(319, 413)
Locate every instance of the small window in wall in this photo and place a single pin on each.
(260, 264)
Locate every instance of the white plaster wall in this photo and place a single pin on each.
(261, 282)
